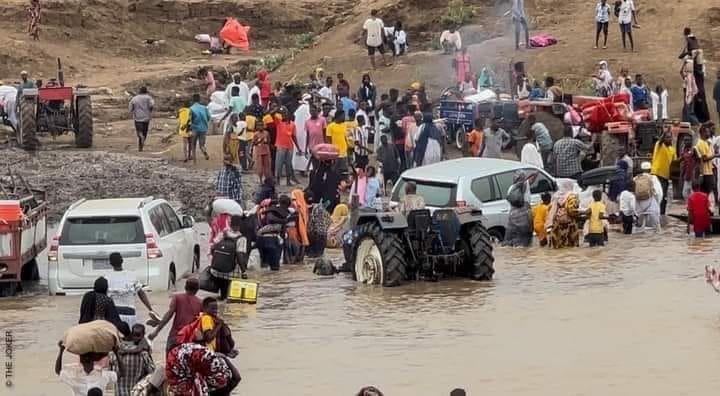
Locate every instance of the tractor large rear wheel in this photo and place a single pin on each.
(379, 257)
(84, 123)
(479, 259)
(27, 130)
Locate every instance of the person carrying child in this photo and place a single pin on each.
(698, 206)
(539, 215)
(597, 213)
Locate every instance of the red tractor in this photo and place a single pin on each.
(55, 109)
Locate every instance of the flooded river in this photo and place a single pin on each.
(632, 319)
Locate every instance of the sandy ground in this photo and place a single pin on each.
(101, 47)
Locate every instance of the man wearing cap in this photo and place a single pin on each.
(228, 183)
(24, 83)
(649, 194)
(243, 89)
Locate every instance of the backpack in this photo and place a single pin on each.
(643, 187)
(224, 255)
(616, 10)
(189, 333)
(224, 341)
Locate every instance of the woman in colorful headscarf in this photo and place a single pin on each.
(194, 370)
(562, 220)
(318, 225)
(303, 213)
(485, 79)
(340, 217)
(265, 86)
(519, 229)
(603, 80)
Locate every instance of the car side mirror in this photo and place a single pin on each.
(188, 221)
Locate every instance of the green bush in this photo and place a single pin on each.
(435, 43)
(457, 14)
(273, 62)
(306, 40)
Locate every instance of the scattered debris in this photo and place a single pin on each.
(69, 175)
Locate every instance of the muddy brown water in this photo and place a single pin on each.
(634, 318)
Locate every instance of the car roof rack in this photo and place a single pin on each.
(146, 201)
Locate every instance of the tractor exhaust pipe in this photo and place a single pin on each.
(60, 74)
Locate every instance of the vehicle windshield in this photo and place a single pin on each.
(102, 231)
(435, 194)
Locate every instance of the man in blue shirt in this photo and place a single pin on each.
(199, 120)
(640, 93)
(347, 103)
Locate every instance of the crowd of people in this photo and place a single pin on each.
(199, 348)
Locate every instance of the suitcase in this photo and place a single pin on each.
(326, 152)
(243, 291)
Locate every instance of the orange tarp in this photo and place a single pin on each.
(235, 34)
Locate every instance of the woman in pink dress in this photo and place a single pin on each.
(462, 65)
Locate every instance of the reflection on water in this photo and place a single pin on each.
(634, 318)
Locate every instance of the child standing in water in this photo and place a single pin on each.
(597, 213)
(540, 213)
(627, 208)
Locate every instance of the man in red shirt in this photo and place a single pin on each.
(698, 206)
(185, 307)
(285, 142)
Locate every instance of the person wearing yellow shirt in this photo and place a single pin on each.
(350, 125)
(210, 323)
(183, 118)
(706, 155)
(246, 138)
(597, 213)
(663, 156)
(336, 134)
(540, 214)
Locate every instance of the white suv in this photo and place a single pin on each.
(480, 182)
(153, 240)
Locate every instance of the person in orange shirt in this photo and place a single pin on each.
(475, 138)
(540, 213)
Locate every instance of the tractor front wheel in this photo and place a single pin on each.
(460, 138)
(84, 123)
(26, 132)
(379, 257)
(479, 259)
